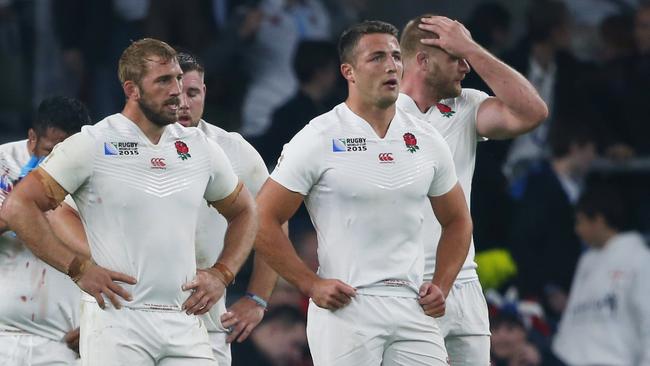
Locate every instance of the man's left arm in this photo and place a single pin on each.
(238, 208)
(454, 218)
(247, 312)
(516, 108)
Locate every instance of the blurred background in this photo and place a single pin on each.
(271, 66)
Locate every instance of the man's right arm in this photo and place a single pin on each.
(24, 211)
(276, 204)
(67, 226)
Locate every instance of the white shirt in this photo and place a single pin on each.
(365, 195)
(607, 319)
(36, 298)
(139, 202)
(458, 127)
(211, 228)
(274, 80)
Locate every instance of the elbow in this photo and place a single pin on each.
(542, 113)
(539, 113)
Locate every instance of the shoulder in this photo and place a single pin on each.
(468, 98)
(10, 147)
(417, 125)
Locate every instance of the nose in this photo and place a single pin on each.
(184, 104)
(391, 66)
(464, 66)
(177, 88)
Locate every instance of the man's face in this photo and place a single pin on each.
(160, 91)
(587, 228)
(445, 72)
(377, 69)
(507, 338)
(192, 99)
(289, 344)
(44, 144)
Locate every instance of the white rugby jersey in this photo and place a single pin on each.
(607, 318)
(211, 228)
(139, 202)
(365, 195)
(455, 119)
(36, 298)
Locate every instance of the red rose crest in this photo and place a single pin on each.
(411, 142)
(182, 150)
(445, 110)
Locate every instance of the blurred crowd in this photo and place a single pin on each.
(272, 65)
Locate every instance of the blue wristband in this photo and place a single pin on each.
(258, 300)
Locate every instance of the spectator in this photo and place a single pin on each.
(626, 90)
(316, 66)
(509, 346)
(273, 81)
(542, 226)
(561, 80)
(279, 340)
(607, 321)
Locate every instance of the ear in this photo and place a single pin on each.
(31, 135)
(422, 59)
(348, 72)
(131, 90)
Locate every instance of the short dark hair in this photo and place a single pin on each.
(63, 113)
(566, 131)
(287, 315)
(606, 201)
(312, 56)
(543, 17)
(350, 37)
(189, 62)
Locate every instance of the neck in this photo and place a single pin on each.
(544, 54)
(416, 88)
(563, 167)
(151, 130)
(314, 91)
(377, 117)
(605, 237)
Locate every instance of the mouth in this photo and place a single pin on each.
(184, 120)
(391, 83)
(172, 104)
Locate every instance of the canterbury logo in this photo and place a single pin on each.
(158, 163)
(386, 157)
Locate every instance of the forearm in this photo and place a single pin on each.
(31, 226)
(277, 251)
(66, 225)
(239, 239)
(451, 254)
(264, 278)
(511, 88)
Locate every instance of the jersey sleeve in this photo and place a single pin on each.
(223, 180)
(71, 162)
(444, 178)
(254, 172)
(298, 167)
(474, 98)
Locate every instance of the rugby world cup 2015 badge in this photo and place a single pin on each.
(120, 148)
(349, 144)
